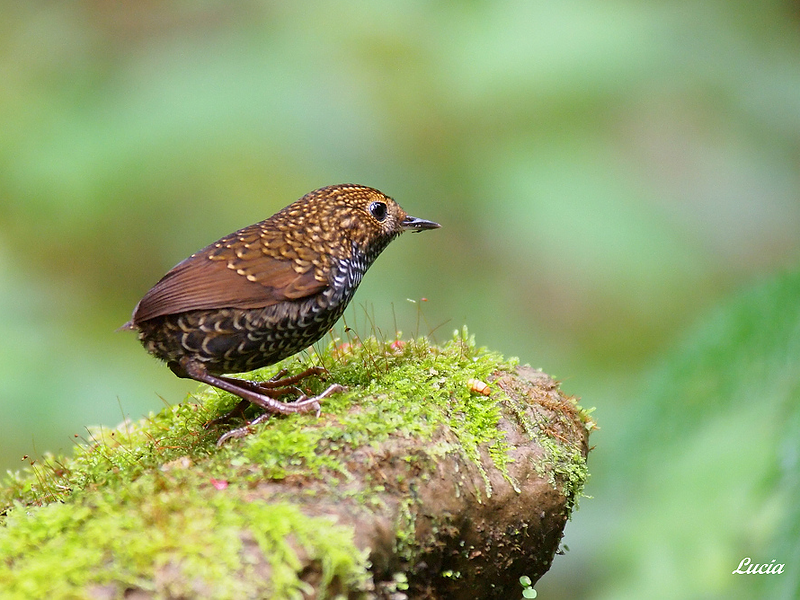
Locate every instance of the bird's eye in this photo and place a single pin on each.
(378, 210)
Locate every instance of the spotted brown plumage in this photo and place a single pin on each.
(269, 290)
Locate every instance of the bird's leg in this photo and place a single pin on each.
(238, 410)
(240, 432)
(258, 388)
(196, 370)
(247, 429)
(276, 382)
(277, 385)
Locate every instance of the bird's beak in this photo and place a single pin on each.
(414, 224)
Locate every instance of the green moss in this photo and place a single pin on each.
(563, 464)
(120, 537)
(405, 538)
(108, 514)
(565, 467)
(409, 389)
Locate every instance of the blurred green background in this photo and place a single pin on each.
(618, 186)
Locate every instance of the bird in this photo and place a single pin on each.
(268, 291)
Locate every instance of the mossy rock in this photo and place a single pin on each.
(443, 472)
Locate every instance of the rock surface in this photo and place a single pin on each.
(450, 474)
(477, 530)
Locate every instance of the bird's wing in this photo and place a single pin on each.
(236, 272)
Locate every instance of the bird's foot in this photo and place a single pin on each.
(278, 380)
(302, 404)
(275, 386)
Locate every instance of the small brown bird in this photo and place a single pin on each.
(268, 291)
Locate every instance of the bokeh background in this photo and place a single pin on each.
(619, 191)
